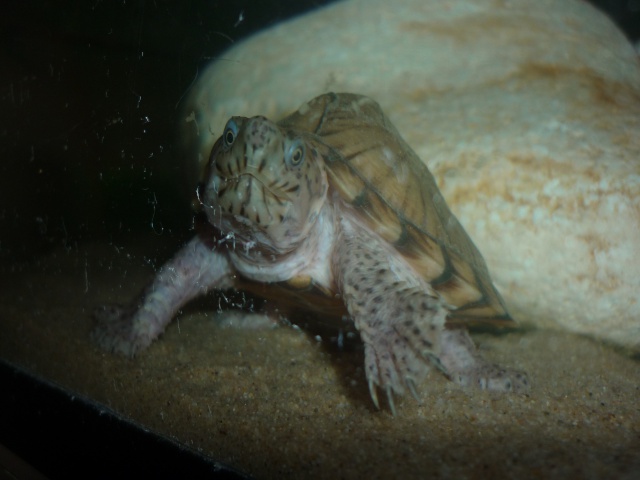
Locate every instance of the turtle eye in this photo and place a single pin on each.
(230, 133)
(295, 153)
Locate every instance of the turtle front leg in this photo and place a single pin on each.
(195, 269)
(401, 321)
(399, 317)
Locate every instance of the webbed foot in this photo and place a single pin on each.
(122, 329)
(465, 366)
(400, 353)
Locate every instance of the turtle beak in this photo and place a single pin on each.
(270, 185)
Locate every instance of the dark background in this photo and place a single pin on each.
(90, 98)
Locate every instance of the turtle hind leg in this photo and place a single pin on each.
(464, 365)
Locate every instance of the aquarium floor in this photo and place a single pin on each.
(279, 403)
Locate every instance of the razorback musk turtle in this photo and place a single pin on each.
(333, 205)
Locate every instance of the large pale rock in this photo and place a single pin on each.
(527, 112)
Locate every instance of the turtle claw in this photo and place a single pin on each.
(374, 393)
(392, 405)
(389, 391)
(374, 396)
(393, 366)
(411, 385)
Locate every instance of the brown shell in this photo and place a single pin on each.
(373, 169)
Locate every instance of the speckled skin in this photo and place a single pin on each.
(292, 206)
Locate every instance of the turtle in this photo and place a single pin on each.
(330, 209)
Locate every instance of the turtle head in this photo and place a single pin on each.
(263, 184)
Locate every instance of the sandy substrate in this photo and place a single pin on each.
(278, 403)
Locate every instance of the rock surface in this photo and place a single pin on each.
(527, 112)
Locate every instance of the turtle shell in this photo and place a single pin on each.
(391, 191)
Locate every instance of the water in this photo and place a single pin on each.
(95, 196)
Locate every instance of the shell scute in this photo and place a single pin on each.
(375, 172)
